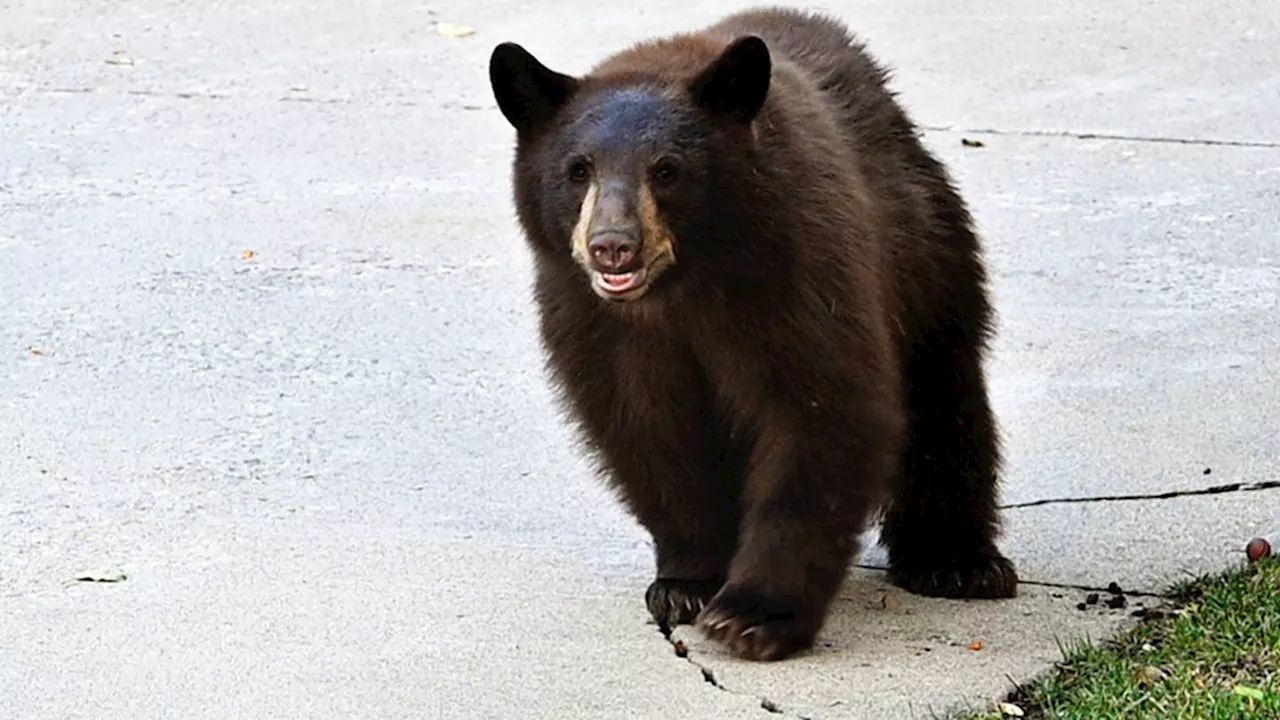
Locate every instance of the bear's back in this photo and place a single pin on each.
(837, 63)
(922, 214)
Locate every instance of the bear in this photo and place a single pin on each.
(764, 306)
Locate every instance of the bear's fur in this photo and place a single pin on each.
(765, 306)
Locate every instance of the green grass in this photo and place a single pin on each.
(1214, 653)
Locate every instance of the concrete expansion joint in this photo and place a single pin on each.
(292, 97)
(1080, 135)
(993, 132)
(1114, 589)
(1212, 490)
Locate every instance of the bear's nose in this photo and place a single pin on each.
(612, 250)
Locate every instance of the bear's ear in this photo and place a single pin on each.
(736, 83)
(528, 92)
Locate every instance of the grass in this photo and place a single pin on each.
(1214, 653)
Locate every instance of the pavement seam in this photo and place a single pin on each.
(1071, 134)
(1063, 586)
(1082, 135)
(1212, 490)
(205, 95)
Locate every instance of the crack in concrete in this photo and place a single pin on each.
(1212, 490)
(772, 707)
(1078, 135)
(709, 676)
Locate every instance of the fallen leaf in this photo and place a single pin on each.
(248, 254)
(977, 645)
(967, 142)
(110, 576)
(1009, 709)
(1250, 692)
(455, 30)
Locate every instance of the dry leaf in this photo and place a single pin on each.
(977, 645)
(967, 142)
(455, 30)
(1009, 709)
(248, 254)
(1252, 693)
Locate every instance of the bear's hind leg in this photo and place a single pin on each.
(941, 528)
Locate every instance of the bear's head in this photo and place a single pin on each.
(634, 172)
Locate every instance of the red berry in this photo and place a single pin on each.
(1257, 549)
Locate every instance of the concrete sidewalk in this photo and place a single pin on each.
(269, 351)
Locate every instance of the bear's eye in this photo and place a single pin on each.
(579, 171)
(665, 172)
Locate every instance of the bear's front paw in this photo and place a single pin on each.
(675, 602)
(981, 574)
(756, 627)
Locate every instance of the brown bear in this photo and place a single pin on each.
(765, 306)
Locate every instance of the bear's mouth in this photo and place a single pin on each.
(620, 286)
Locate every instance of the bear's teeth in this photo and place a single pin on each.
(618, 283)
(618, 280)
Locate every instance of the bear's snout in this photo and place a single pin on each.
(613, 250)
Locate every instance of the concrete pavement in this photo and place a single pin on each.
(268, 350)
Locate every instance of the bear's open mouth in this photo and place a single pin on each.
(616, 284)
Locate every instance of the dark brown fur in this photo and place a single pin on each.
(813, 356)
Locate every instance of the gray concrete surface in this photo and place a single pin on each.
(332, 472)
